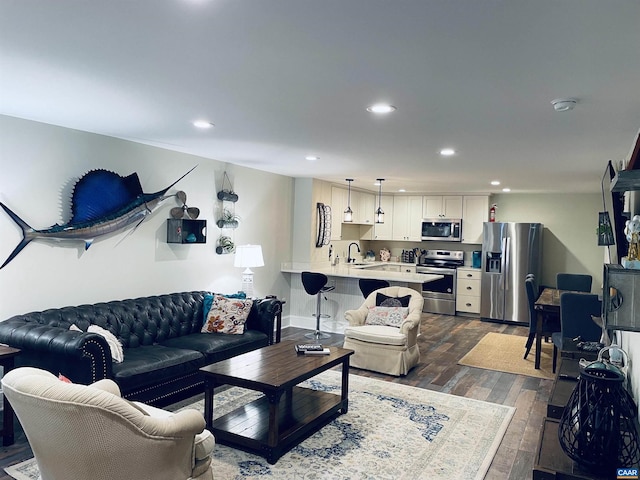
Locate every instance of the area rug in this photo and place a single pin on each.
(497, 351)
(391, 431)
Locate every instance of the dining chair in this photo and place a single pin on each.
(573, 282)
(549, 324)
(576, 310)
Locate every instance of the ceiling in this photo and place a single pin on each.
(283, 79)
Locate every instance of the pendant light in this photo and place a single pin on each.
(379, 212)
(348, 213)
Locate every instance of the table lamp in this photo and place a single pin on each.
(248, 256)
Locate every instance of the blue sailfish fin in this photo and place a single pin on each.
(100, 193)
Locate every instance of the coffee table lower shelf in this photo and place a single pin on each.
(298, 414)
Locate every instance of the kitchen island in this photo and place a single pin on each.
(346, 295)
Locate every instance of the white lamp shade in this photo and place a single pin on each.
(248, 256)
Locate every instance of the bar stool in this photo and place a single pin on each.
(369, 285)
(316, 284)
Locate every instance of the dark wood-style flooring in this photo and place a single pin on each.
(443, 341)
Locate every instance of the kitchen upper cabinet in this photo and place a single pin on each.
(338, 205)
(475, 211)
(363, 205)
(442, 206)
(384, 231)
(407, 218)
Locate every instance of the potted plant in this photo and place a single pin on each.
(228, 219)
(225, 245)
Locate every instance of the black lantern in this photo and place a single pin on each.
(598, 428)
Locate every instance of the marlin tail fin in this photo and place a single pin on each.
(24, 227)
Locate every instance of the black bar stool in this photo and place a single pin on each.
(315, 284)
(369, 285)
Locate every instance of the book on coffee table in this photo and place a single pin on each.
(324, 351)
(309, 347)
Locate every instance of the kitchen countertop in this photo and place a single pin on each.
(367, 270)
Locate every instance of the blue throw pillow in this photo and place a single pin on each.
(208, 300)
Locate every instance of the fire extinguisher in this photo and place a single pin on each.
(492, 213)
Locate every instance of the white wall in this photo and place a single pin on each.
(39, 165)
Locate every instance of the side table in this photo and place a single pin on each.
(7, 357)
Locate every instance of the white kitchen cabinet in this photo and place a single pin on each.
(338, 205)
(475, 211)
(363, 205)
(468, 290)
(384, 231)
(409, 268)
(407, 218)
(442, 206)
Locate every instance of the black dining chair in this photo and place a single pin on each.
(574, 282)
(549, 324)
(576, 310)
(368, 285)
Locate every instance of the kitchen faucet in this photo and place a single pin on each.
(349, 259)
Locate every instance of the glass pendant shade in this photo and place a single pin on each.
(379, 216)
(348, 213)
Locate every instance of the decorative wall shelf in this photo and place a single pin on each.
(183, 230)
(626, 180)
(228, 220)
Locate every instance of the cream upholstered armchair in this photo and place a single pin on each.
(81, 432)
(384, 348)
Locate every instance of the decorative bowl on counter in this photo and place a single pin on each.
(385, 255)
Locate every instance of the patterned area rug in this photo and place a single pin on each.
(503, 353)
(391, 431)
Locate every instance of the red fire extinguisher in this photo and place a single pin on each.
(492, 213)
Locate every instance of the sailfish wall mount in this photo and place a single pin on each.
(102, 202)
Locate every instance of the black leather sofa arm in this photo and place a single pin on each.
(266, 310)
(81, 357)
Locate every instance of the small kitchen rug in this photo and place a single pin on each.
(503, 353)
(391, 431)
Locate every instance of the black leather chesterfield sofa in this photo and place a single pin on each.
(160, 335)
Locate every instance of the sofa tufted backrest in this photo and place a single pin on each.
(137, 321)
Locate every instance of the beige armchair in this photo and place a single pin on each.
(383, 348)
(80, 432)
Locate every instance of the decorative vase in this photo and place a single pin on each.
(598, 427)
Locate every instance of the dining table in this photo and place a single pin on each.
(547, 304)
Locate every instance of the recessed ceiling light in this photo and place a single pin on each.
(447, 152)
(203, 124)
(402, 190)
(563, 104)
(312, 158)
(381, 108)
(506, 189)
(495, 182)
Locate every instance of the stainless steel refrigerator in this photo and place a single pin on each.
(509, 252)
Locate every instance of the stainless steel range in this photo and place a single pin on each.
(440, 295)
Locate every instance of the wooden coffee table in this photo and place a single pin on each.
(286, 414)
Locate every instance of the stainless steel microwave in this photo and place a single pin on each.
(442, 229)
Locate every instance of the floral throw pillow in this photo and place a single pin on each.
(227, 315)
(390, 316)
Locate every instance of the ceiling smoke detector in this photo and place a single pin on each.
(563, 104)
